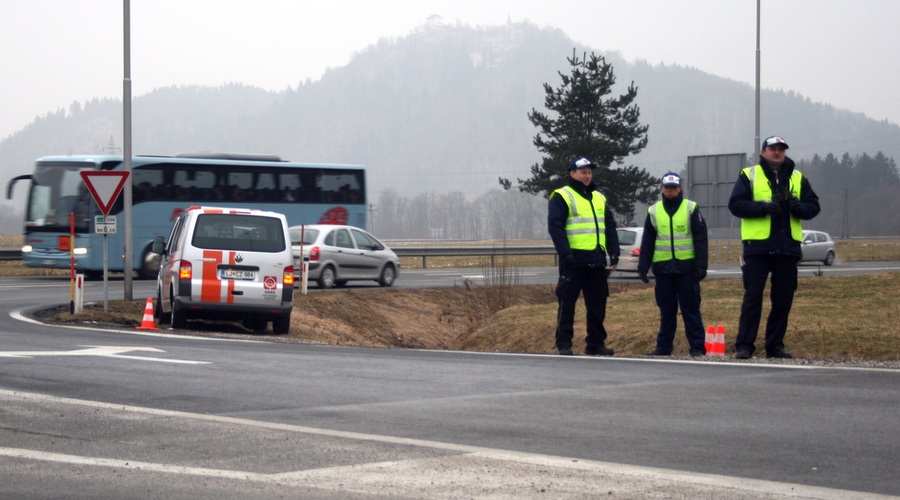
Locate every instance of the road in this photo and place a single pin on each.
(88, 413)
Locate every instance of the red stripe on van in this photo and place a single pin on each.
(230, 296)
(210, 285)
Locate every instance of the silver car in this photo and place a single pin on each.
(338, 254)
(629, 248)
(818, 246)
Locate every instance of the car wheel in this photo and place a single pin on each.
(829, 259)
(179, 318)
(387, 276)
(164, 317)
(281, 325)
(326, 277)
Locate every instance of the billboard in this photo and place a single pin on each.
(711, 179)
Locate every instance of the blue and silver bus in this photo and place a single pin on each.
(162, 187)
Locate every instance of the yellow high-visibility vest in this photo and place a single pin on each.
(586, 224)
(759, 228)
(673, 234)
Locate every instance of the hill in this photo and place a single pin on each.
(441, 110)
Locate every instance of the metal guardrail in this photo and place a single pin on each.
(468, 251)
(10, 255)
(423, 252)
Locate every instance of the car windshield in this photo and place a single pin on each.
(309, 235)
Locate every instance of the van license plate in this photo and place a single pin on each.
(236, 274)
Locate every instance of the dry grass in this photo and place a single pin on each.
(834, 317)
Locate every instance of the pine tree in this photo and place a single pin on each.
(588, 122)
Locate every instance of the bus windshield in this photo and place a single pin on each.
(57, 190)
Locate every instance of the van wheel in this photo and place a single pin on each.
(179, 318)
(326, 278)
(387, 276)
(281, 326)
(258, 325)
(829, 259)
(164, 317)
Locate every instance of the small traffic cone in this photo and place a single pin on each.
(718, 347)
(710, 338)
(147, 323)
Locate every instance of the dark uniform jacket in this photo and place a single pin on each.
(673, 266)
(780, 241)
(558, 213)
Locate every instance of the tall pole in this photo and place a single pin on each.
(756, 141)
(126, 104)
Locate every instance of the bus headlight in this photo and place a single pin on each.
(27, 249)
(80, 251)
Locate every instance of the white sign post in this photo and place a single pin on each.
(105, 186)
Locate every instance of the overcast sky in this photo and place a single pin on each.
(54, 52)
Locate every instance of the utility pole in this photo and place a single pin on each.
(371, 227)
(756, 140)
(126, 106)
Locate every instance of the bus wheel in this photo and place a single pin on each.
(149, 266)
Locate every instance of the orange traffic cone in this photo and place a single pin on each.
(718, 346)
(710, 338)
(147, 323)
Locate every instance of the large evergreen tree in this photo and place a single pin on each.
(588, 122)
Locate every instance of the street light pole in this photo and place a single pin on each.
(126, 105)
(756, 139)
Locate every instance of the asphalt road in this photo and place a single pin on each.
(87, 413)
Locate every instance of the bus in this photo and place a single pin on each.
(164, 186)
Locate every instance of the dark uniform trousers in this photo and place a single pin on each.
(671, 291)
(756, 271)
(591, 281)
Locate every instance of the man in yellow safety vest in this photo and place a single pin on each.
(583, 231)
(771, 199)
(675, 243)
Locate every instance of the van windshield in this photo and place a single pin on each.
(237, 232)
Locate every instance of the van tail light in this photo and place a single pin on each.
(636, 252)
(184, 270)
(314, 253)
(287, 279)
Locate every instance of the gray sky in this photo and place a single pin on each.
(55, 52)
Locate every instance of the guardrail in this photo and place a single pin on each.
(10, 255)
(423, 252)
(493, 252)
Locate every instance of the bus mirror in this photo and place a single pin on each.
(159, 245)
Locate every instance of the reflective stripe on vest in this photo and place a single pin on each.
(673, 233)
(586, 224)
(759, 228)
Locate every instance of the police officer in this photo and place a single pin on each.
(583, 231)
(771, 199)
(675, 243)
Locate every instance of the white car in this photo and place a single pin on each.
(818, 246)
(338, 254)
(629, 248)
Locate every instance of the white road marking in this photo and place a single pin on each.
(102, 351)
(436, 474)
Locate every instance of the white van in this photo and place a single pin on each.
(226, 263)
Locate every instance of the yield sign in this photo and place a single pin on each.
(105, 186)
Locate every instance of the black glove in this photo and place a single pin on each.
(569, 261)
(772, 207)
(699, 273)
(643, 276)
(796, 208)
(613, 260)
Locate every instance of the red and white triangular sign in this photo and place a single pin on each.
(105, 186)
